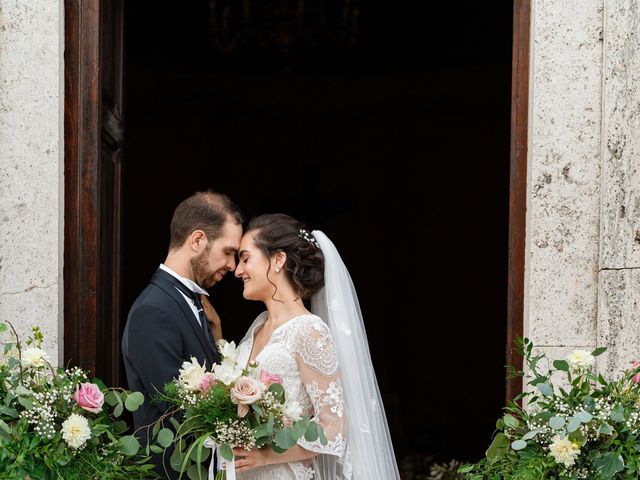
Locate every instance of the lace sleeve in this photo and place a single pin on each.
(318, 365)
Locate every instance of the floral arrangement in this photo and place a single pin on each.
(56, 424)
(588, 429)
(227, 407)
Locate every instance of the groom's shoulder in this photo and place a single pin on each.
(152, 298)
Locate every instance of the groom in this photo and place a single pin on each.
(166, 324)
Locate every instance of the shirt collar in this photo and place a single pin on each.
(190, 284)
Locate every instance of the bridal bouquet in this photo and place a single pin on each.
(57, 424)
(227, 407)
(590, 429)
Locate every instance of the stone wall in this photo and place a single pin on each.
(583, 242)
(31, 167)
(564, 175)
(619, 275)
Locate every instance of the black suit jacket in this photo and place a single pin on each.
(161, 333)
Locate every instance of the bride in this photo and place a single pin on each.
(322, 355)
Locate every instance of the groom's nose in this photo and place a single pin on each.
(231, 265)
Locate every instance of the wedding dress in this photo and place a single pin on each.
(302, 353)
(325, 364)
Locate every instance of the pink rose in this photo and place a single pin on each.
(636, 377)
(246, 391)
(89, 397)
(207, 382)
(269, 378)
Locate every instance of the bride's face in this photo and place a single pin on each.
(252, 268)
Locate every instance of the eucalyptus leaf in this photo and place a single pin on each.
(530, 435)
(197, 472)
(156, 449)
(165, 437)
(605, 429)
(557, 422)
(261, 430)
(5, 427)
(118, 410)
(112, 398)
(599, 351)
(609, 464)
(498, 448)
(134, 401)
(8, 411)
(617, 414)
(26, 402)
(311, 435)
(129, 445)
(584, 417)
(546, 389)
(278, 391)
(518, 444)
(284, 439)
(562, 365)
(226, 452)
(511, 421)
(176, 460)
(573, 425)
(3, 327)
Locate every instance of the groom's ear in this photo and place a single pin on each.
(197, 241)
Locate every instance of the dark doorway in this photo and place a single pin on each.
(389, 133)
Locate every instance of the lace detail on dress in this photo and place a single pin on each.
(331, 397)
(303, 354)
(314, 343)
(283, 471)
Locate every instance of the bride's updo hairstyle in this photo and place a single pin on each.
(278, 232)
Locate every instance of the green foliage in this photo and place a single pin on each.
(588, 427)
(214, 407)
(202, 413)
(36, 401)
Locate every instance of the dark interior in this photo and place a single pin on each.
(388, 129)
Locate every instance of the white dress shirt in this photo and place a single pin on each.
(191, 285)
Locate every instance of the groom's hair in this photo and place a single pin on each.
(207, 211)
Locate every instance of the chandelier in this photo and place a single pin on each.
(283, 27)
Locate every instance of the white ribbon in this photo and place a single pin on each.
(223, 463)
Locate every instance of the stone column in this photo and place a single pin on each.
(619, 275)
(563, 211)
(31, 167)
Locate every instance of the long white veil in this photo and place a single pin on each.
(369, 447)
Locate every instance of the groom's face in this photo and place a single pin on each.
(218, 257)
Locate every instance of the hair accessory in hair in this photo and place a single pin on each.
(308, 237)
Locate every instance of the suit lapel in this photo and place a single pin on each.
(166, 284)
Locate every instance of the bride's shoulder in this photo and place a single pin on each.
(305, 323)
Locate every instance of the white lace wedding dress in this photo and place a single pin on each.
(302, 352)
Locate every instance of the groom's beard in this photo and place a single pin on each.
(202, 274)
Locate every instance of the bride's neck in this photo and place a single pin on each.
(280, 312)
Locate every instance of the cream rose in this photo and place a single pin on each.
(34, 357)
(246, 391)
(564, 451)
(580, 360)
(191, 374)
(76, 430)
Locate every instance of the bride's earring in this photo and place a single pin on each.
(277, 269)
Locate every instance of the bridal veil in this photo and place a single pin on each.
(369, 453)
